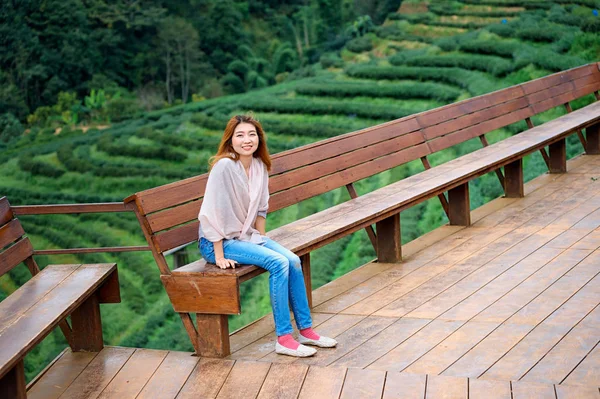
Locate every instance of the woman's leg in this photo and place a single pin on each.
(276, 264)
(297, 288)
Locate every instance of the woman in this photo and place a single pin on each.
(232, 231)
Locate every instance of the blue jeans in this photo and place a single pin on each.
(286, 281)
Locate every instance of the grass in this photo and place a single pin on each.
(429, 31)
(470, 19)
(388, 90)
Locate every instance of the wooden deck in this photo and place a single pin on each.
(506, 308)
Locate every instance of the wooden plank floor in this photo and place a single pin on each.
(506, 308)
(181, 375)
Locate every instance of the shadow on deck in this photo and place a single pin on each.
(505, 308)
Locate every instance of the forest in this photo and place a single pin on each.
(118, 58)
(100, 99)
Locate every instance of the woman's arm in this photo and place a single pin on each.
(260, 225)
(220, 256)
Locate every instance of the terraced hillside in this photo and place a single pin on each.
(422, 57)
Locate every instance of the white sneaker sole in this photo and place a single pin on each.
(320, 343)
(302, 351)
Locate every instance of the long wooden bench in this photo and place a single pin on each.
(30, 313)
(167, 214)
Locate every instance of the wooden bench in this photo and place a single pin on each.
(168, 214)
(30, 313)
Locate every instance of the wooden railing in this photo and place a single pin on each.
(57, 209)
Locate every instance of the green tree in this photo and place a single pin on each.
(11, 98)
(10, 128)
(303, 28)
(66, 111)
(179, 46)
(330, 18)
(124, 31)
(45, 48)
(223, 33)
(378, 10)
(284, 59)
(51, 46)
(249, 71)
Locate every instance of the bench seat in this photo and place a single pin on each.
(44, 302)
(29, 314)
(311, 232)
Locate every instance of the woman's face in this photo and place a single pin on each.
(245, 139)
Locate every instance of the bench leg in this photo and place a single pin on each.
(213, 335)
(86, 325)
(460, 207)
(12, 385)
(389, 249)
(305, 260)
(558, 157)
(593, 139)
(109, 291)
(513, 179)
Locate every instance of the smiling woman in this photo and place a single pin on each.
(245, 141)
(232, 230)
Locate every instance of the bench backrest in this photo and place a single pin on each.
(296, 175)
(168, 213)
(455, 123)
(15, 247)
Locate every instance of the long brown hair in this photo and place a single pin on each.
(226, 147)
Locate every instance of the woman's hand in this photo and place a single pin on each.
(225, 263)
(220, 256)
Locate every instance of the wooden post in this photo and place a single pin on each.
(558, 157)
(498, 172)
(190, 329)
(109, 291)
(542, 150)
(12, 385)
(369, 229)
(593, 139)
(513, 181)
(389, 249)
(305, 260)
(460, 208)
(579, 133)
(87, 326)
(441, 196)
(213, 335)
